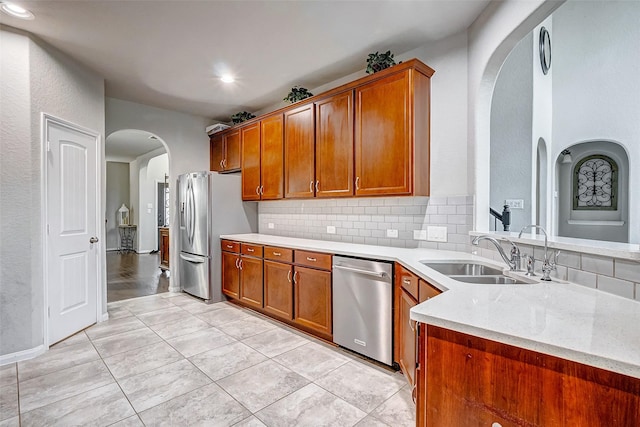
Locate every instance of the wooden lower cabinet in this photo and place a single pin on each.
(471, 381)
(164, 248)
(278, 289)
(251, 281)
(312, 299)
(230, 274)
(407, 335)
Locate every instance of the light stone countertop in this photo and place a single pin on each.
(557, 318)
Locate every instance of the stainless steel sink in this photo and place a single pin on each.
(489, 280)
(463, 269)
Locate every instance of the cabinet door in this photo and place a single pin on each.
(216, 153)
(334, 146)
(312, 299)
(232, 150)
(278, 289)
(299, 156)
(272, 156)
(251, 281)
(407, 337)
(230, 274)
(251, 162)
(383, 152)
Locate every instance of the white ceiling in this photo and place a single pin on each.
(126, 145)
(170, 54)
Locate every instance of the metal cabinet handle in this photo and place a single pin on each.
(237, 260)
(289, 276)
(261, 190)
(295, 280)
(413, 392)
(240, 264)
(357, 182)
(411, 325)
(317, 186)
(277, 253)
(311, 259)
(93, 240)
(258, 190)
(250, 250)
(311, 187)
(222, 164)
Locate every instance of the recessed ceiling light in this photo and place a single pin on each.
(227, 78)
(16, 11)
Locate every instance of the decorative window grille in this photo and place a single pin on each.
(595, 183)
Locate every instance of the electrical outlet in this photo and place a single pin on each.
(331, 229)
(515, 203)
(419, 234)
(271, 226)
(436, 234)
(392, 232)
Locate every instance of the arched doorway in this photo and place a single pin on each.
(137, 180)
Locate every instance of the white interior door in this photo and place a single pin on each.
(72, 248)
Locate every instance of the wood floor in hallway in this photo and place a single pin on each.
(133, 275)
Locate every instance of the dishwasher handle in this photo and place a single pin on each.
(358, 270)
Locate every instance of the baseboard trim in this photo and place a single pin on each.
(19, 356)
(174, 289)
(145, 252)
(104, 318)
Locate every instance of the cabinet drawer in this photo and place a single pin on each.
(427, 291)
(278, 254)
(409, 282)
(313, 259)
(230, 246)
(251, 250)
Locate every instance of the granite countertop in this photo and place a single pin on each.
(558, 318)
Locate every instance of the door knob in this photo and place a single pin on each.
(93, 240)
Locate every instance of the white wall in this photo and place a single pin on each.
(511, 122)
(151, 168)
(35, 78)
(117, 194)
(596, 88)
(186, 142)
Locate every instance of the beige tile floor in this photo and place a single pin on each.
(170, 360)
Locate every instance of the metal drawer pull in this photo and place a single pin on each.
(230, 246)
(311, 259)
(250, 250)
(357, 270)
(277, 253)
(406, 281)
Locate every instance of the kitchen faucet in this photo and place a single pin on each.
(514, 262)
(547, 264)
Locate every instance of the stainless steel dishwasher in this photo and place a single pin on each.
(362, 307)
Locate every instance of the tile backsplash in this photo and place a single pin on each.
(366, 220)
(617, 276)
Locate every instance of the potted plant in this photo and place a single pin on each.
(240, 117)
(379, 61)
(297, 94)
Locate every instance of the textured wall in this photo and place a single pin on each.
(117, 194)
(38, 79)
(366, 220)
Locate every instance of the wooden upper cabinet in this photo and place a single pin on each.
(334, 146)
(225, 151)
(392, 135)
(299, 156)
(272, 153)
(216, 153)
(250, 140)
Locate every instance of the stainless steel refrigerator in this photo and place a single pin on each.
(210, 204)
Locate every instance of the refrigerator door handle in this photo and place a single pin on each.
(194, 260)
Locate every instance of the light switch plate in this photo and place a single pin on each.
(331, 229)
(271, 226)
(436, 234)
(419, 234)
(392, 232)
(149, 205)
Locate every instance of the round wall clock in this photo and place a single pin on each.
(545, 50)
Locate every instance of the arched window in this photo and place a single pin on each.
(595, 183)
